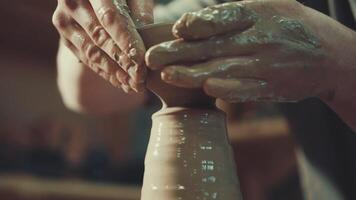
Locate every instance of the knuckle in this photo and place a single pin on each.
(93, 53)
(68, 44)
(98, 35)
(59, 20)
(106, 16)
(113, 50)
(79, 40)
(90, 26)
(106, 66)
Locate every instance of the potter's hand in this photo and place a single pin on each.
(102, 34)
(246, 51)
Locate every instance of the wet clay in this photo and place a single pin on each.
(188, 156)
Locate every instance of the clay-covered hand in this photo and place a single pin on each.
(102, 34)
(246, 51)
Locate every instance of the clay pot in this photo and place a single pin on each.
(188, 156)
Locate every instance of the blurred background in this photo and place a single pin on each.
(48, 152)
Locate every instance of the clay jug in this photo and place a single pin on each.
(189, 156)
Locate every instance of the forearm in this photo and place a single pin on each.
(83, 91)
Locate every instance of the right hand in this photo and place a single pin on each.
(268, 50)
(103, 35)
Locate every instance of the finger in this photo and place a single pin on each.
(243, 90)
(82, 12)
(194, 76)
(72, 48)
(180, 51)
(61, 23)
(141, 11)
(111, 78)
(237, 90)
(115, 18)
(81, 57)
(64, 25)
(92, 56)
(214, 20)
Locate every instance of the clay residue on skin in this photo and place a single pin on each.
(190, 153)
(141, 12)
(213, 20)
(132, 48)
(278, 32)
(295, 30)
(122, 7)
(273, 45)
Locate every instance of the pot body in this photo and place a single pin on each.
(189, 157)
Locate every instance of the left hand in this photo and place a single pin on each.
(102, 35)
(248, 51)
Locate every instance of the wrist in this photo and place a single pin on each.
(338, 63)
(342, 72)
(340, 67)
(341, 64)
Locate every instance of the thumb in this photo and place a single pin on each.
(237, 90)
(141, 11)
(215, 20)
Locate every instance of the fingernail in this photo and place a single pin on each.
(169, 74)
(132, 53)
(166, 76)
(179, 28)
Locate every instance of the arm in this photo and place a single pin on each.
(341, 42)
(102, 34)
(271, 50)
(83, 91)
